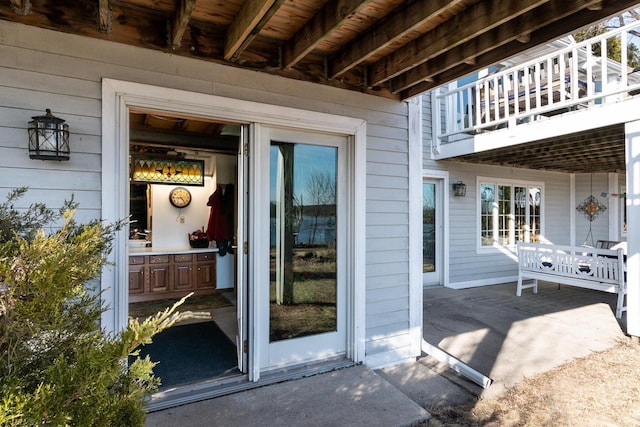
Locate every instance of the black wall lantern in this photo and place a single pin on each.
(48, 138)
(459, 189)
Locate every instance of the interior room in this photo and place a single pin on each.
(182, 239)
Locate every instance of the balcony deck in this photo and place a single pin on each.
(561, 93)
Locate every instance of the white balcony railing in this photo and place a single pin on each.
(568, 79)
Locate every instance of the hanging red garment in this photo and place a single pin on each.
(219, 218)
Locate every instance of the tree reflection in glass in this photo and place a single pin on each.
(303, 256)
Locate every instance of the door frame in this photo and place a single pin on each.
(117, 99)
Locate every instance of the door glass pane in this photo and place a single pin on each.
(303, 256)
(428, 227)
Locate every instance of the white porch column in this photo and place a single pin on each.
(632, 148)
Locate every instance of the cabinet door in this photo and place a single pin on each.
(159, 273)
(183, 276)
(136, 279)
(205, 271)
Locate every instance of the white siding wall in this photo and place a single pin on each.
(41, 69)
(469, 267)
(600, 225)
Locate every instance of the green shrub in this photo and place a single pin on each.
(57, 367)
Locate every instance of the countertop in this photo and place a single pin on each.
(169, 250)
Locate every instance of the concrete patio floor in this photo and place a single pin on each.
(503, 336)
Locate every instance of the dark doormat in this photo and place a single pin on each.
(193, 303)
(191, 353)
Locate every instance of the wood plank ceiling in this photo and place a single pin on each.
(595, 150)
(391, 48)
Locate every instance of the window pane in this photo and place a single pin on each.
(487, 199)
(535, 202)
(510, 214)
(504, 214)
(520, 214)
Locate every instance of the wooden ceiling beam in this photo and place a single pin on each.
(387, 31)
(233, 51)
(480, 18)
(553, 31)
(332, 15)
(180, 21)
(21, 7)
(247, 24)
(505, 33)
(104, 16)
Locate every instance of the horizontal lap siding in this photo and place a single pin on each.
(468, 265)
(41, 69)
(27, 92)
(387, 267)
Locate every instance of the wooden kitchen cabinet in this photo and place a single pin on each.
(159, 274)
(137, 273)
(183, 272)
(171, 275)
(205, 269)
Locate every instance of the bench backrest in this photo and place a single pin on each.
(602, 265)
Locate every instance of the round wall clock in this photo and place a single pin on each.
(180, 197)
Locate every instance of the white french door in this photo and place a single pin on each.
(302, 291)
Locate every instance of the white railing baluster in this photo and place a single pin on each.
(589, 72)
(486, 107)
(604, 74)
(549, 82)
(496, 100)
(470, 109)
(505, 95)
(562, 72)
(527, 98)
(575, 84)
(516, 94)
(623, 60)
(478, 107)
(461, 116)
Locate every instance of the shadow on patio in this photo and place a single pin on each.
(508, 338)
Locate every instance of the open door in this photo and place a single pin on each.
(241, 250)
(302, 302)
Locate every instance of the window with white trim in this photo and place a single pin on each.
(509, 212)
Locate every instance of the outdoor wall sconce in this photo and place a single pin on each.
(459, 189)
(48, 138)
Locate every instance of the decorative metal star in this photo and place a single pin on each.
(591, 208)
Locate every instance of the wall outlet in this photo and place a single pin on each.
(181, 219)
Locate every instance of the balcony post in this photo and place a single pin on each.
(632, 148)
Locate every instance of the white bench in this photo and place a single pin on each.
(591, 268)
